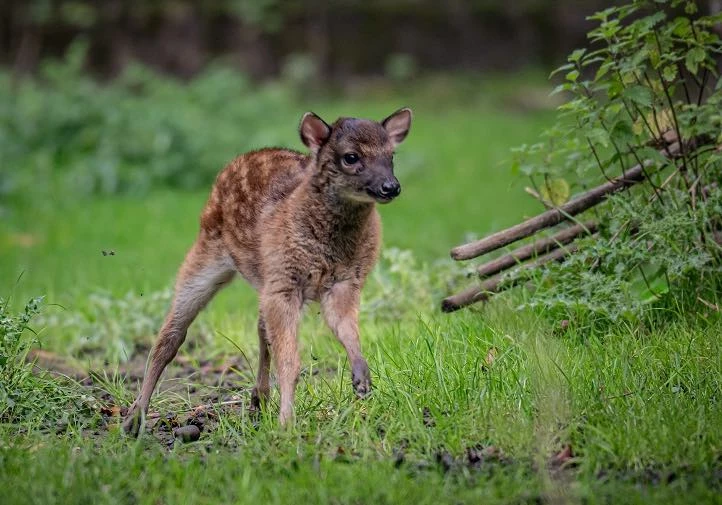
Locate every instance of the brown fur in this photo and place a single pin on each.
(297, 228)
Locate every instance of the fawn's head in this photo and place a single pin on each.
(358, 154)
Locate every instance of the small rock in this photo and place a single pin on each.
(474, 456)
(445, 459)
(187, 434)
(478, 454)
(197, 421)
(492, 452)
(429, 420)
(399, 457)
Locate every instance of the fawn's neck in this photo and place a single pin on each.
(331, 214)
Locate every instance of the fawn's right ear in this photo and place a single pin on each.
(314, 131)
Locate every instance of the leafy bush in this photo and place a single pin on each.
(26, 397)
(402, 286)
(650, 72)
(65, 132)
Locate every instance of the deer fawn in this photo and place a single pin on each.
(297, 228)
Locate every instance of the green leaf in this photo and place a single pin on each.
(577, 55)
(669, 73)
(622, 131)
(649, 153)
(598, 136)
(562, 87)
(640, 95)
(657, 287)
(572, 76)
(555, 191)
(694, 57)
(563, 68)
(682, 27)
(604, 68)
(527, 169)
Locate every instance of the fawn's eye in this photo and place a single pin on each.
(350, 158)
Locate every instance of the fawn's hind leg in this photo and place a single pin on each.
(205, 270)
(262, 388)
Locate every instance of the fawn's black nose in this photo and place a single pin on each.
(390, 188)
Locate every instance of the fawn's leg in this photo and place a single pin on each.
(340, 306)
(204, 271)
(281, 313)
(260, 392)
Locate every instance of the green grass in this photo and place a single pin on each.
(638, 405)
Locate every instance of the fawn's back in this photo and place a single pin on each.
(245, 194)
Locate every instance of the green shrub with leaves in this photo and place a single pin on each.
(649, 75)
(64, 132)
(28, 397)
(401, 286)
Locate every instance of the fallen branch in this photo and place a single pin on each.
(542, 246)
(709, 305)
(496, 284)
(555, 216)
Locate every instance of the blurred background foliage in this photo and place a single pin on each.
(76, 76)
(142, 99)
(313, 39)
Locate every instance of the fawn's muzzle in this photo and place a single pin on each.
(390, 189)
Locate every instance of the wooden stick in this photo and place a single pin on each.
(542, 246)
(496, 284)
(554, 216)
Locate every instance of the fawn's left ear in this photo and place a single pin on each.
(314, 131)
(397, 125)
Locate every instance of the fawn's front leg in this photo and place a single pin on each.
(281, 313)
(340, 306)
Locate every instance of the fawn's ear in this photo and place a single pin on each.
(397, 125)
(314, 131)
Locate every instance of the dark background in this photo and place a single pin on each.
(335, 40)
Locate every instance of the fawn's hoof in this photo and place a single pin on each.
(258, 400)
(286, 418)
(361, 379)
(132, 422)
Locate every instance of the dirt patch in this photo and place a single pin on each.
(188, 397)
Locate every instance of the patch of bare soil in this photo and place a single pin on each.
(188, 398)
